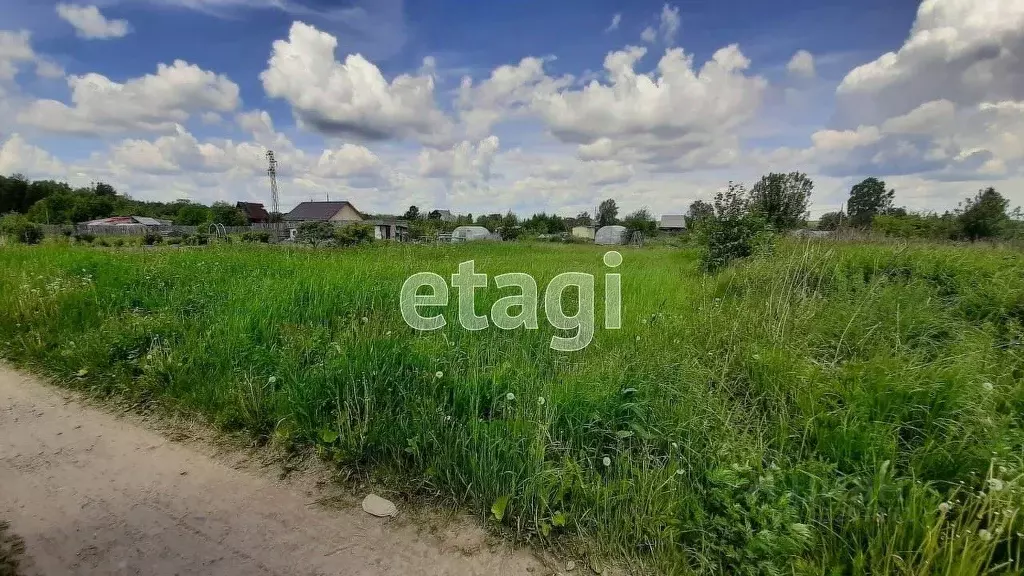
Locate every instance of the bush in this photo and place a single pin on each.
(830, 221)
(197, 239)
(174, 240)
(19, 229)
(734, 232)
(315, 233)
(152, 238)
(101, 242)
(117, 242)
(84, 237)
(353, 234)
(256, 237)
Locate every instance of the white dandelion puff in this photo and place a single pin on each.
(984, 535)
(540, 401)
(606, 461)
(439, 374)
(510, 397)
(995, 484)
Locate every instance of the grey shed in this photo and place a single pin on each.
(610, 235)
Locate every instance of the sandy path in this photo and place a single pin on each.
(92, 493)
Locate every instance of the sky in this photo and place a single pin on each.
(528, 106)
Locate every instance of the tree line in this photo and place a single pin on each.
(52, 202)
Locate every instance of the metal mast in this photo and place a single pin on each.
(272, 172)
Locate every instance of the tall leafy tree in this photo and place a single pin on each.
(782, 199)
(228, 215)
(699, 212)
(640, 221)
(867, 199)
(413, 213)
(984, 215)
(607, 213)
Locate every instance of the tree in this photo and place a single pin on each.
(782, 199)
(190, 214)
(735, 231)
(315, 233)
(583, 219)
(640, 221)
(104, 189)
(983, 216)
(830, 220)
(868, 199)
(699, 212)
(228, 215)
(607, 213)
(413, 213)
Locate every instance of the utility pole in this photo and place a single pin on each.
(272, 172)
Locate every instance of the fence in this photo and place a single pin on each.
(139, 229)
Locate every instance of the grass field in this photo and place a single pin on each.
(831, 409)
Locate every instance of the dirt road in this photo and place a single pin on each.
(92, 493)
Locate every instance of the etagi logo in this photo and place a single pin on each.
(525, 302)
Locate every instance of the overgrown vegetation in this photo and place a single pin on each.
(825, 409)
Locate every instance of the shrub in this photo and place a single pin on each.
(830, 221)
(84, 237)
(353, 234)
(19, 229)
(197, 239)
(734, 232)
(983, 216)
(256, 237)
(315, 233)
(152, 238)
(117, 242)
(174, 240)
(101, 241)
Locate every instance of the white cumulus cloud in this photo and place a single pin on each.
(90, 24)
(351, 97)
(801, 64)
(155, 102)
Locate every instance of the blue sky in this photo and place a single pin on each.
(936, 119)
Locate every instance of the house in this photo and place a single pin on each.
(442, 215)
(139, 222)
(343, 213)
(254, 211)
(672, 223)
(585, 232)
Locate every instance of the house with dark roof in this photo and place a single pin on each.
(672, 223)
(343, 213)
(254, 211)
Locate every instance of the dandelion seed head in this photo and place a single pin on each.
(606, 461)
(984, 535)
(438, 374)
(510, 396)
(540, 400)
(995, 484)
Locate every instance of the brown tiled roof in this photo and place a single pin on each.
(253, 210)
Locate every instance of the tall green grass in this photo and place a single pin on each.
(831, 409)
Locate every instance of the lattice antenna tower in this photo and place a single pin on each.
(272, 172)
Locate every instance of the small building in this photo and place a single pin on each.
(585, 232)
(343, 213)
(254, 211)
(672, 223)
(389, 229)
(139, 222)
(442, 215)
(470, 233)
(610, 235)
